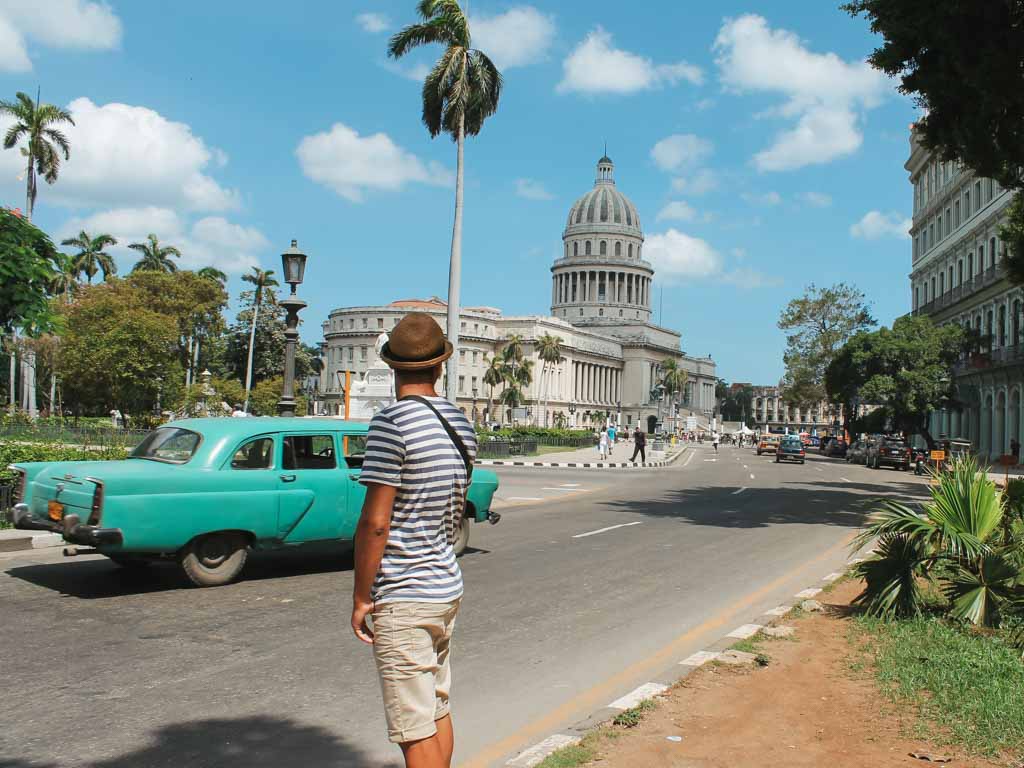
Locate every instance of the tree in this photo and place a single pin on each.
(155, 257)
(494, 376)
(263, 280)
(737, 404)
(459, 94)
(819, 323)
(28, 262)
(906, 370)
(549, 350)
(65, 278)
(44, 144)
(91, 258)
(212, 273)
(963, 63)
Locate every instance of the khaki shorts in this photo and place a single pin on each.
(411, 647)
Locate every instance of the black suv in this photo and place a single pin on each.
(887, 452)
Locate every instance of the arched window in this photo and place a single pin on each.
(942, 284)
(638, 249)
(1016, 323)
(970, 265)
(604, 247)
(960, 272)
(992, 248)
(576, 249)
(631, 250)
(588, 247)
(981, 258)
(618, 248)
(1002, 325)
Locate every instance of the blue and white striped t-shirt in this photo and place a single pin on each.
(408, 449)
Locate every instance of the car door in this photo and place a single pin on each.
(247, 490)
(353, 448)
(313, 488)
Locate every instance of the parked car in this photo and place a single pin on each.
(824, 444)
(791, 448)
(856, 452)
(836, 447)
(813, 442)
(887, 452)
(767, 444)
(207, 491)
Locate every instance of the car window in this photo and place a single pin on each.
(308, 452)
(170, 444)
(354, 449)
(255, 454)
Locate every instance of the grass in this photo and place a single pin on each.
(579, 754)
(630, 718)
(970, 684)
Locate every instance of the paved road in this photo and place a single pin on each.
(107, 669)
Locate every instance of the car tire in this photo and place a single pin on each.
(215, 559)
(776, 459)
(130, 562)
(801, 461)
(462, 536)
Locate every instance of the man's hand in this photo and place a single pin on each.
(360, 610)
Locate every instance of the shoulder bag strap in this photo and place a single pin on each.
(460, 446)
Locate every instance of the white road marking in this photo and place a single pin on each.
(846, 479)
(751, 476)
(804, 594)
(739, 491)
(689, 459)
(645, 691)
(710, 459)
(535, 755)
(782, 610)
(699, 659)
(602, 530)
(560, 489)
(745, 631)
(832, 577)
(525, 498)
(570, 485)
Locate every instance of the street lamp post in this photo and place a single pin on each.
(475, 393)
(572, 413)
(293, 262)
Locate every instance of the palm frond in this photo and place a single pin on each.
(891, 577)
(14, 134)
(58, 138)
(431, 32)
(980, 591)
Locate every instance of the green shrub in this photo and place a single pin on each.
(16, 453)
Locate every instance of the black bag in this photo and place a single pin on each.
(460, 446)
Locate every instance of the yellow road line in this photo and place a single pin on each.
(594, 698)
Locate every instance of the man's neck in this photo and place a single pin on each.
(423, 390)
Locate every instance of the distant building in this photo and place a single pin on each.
(601, 290)
(958, 276)
(773, 414)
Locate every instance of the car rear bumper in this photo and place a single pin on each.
(70, 528)
(892, 461)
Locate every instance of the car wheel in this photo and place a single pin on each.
(801, 461)
(776, 459)
(131, 562)
(215, 559)
(461, 537)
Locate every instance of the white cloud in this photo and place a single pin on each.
(209, 242)
(373, 22)
(704, 105)
(700, 183)
(416, 72)
(765, 198)
(676, 256)
(72, 24)
(826, 95)
(816, 199)
(351, 164)
(681, 150)
(748, 279)
(520, 36)
(532, 190)
(596, 67)
(875, 224)
(677, 210)
(123, 155)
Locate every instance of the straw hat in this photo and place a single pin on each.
(416, 343)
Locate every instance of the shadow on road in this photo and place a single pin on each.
(94, 579)
(246, 742)
(803, 502)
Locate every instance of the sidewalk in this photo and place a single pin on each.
(590, 458)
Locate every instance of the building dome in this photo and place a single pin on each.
(604, 206)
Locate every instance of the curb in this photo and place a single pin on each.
(12, 540)
(660, 684)
(583, 464)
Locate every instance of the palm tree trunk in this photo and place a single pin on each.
(455, 271)
(30, 185)
(13, 399)
(195, 358)
(53, 392)
(248, 365)
(188, 362)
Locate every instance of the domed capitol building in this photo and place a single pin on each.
(601, 291)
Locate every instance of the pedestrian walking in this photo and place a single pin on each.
(611, 439)
(639, 445)
(714, 440)
(602, 444)
(417, 465)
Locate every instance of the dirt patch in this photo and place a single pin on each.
(806, 708)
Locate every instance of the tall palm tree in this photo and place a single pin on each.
(493, 377)
(263, 280)
(91, 258)
(44, 145)
(673, 378)
(65, 277)
(461, 91)
(155, 257)
(549, 350)
(212, 273)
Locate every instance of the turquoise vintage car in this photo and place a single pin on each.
(207, 491)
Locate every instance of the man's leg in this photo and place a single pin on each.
(425, 753)
(446, 738)
(643, 454)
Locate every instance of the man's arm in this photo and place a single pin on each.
(371, 538)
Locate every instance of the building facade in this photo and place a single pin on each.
(600, 309)
(773, 414)
(958, 276)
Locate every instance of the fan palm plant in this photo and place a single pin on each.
(459, 94)
(954, 541)
(155, 257)
(494, 376)
(263, 280)
(44, 143)
(549, 350)
(91, 258)
(65, 277)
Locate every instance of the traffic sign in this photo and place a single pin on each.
(938, 456)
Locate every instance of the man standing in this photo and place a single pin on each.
(639, 444)
(611, 439)
(419, 453)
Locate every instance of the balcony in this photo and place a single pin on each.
(969, 287)
(1002, 357)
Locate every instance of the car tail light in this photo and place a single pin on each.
(97, 501)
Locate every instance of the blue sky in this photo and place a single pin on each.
(760, 150)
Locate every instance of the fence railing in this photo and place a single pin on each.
(6, 502)
(52, 433)
(502, 447)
